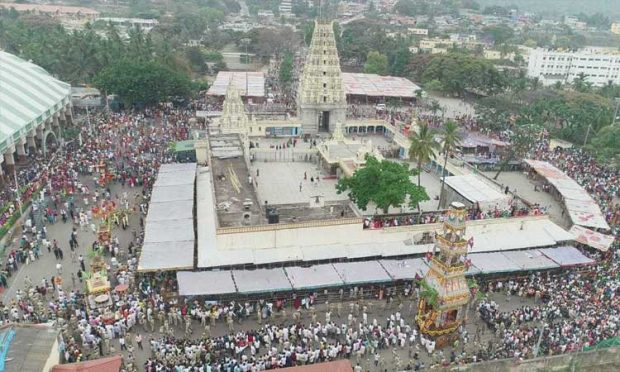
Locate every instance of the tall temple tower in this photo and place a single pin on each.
(321, 97)
(234, 118)
(445, 295)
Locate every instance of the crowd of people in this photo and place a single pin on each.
(474, 213)
(125, 152)
(573, 311)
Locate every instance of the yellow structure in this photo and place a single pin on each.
(321, 96)
(615, 28)
(445, 292)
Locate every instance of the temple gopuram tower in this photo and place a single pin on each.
(321, 99)
(445, 293)
(234, 118)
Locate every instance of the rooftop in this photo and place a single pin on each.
(29, 347)
(249, 84)
(235, 200)
(29, 95)
(47, 8)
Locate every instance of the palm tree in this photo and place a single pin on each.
(451, 138)
(422, 150)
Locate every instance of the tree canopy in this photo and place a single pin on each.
(566, 114)
(384, 183)
(142, 83)
(376, 63)
(460, 73)
(285, 74)
(606, 144)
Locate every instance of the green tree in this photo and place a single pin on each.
(142, 83)
(606, 144)
(399, 61)
(376, 63)
(384, 183)
(460, 73)
(285, 74)
(197, 59)
(422, 149)
(451, 137)
(500, 34)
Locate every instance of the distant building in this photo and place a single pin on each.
(598, 66)
(265, 14)
(286, 8)
(145, 24)
(573, 22)
(615, 28)
(418, 31)
(55, 11)
(496, 54)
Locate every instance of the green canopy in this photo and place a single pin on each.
(615, 341)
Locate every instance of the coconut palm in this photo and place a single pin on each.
(422, 150)
(451, 137)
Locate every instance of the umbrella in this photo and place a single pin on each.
(121, 288)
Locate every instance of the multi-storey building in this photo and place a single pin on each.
(597, 65)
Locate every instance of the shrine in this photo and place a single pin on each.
(445, 293)
(321, 97)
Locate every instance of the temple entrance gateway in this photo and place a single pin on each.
(324, 121)
(321, 96)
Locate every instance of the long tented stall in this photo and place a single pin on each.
(493, 262)
(531, 259)
(470, 190)
(592, 239)
(408, 269)
(317, 276)
(192, 283)
(261, 280)
(169, 225)
(567, 256)
(361, 272)
(296, 278)
(582, 209)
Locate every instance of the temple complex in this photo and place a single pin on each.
(321, 97)
(445, 293)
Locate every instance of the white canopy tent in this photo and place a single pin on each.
(169, 226)
(592, 239)
(261, 280)
(362, 272)
(567, 256)
(531, 259)
(205, 283)
(474, 190)
(173, 193)
(582, 209)
(405, 269)
(492, 262)
(317, 276)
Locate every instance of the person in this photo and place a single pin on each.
(139, 341)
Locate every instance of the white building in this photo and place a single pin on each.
(286, 8)
(418, 31)
(599, 67)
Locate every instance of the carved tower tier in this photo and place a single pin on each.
(321, 96)
(444, 292)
